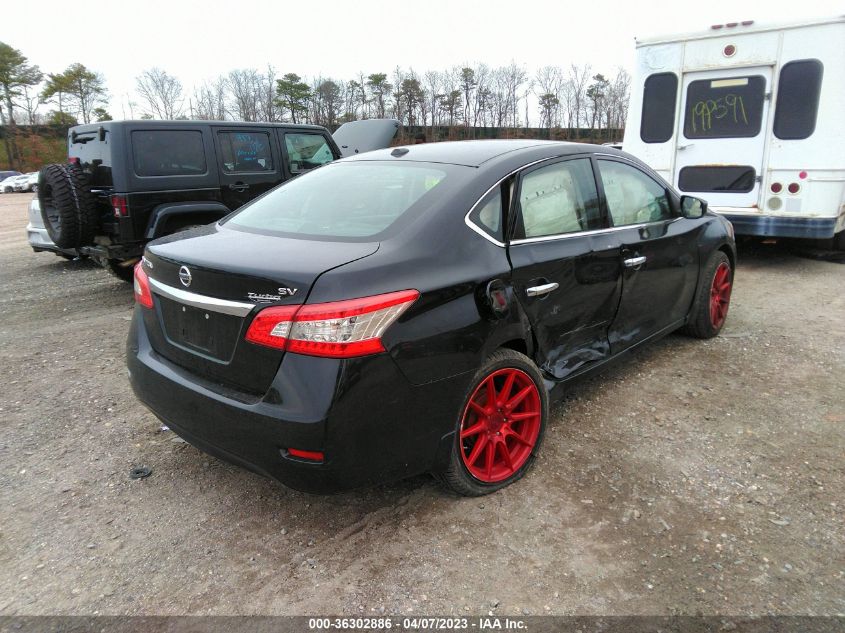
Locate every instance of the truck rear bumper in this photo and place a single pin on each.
(781, 226)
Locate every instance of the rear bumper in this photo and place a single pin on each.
(39, 240)
(371, 424)
(780, 226)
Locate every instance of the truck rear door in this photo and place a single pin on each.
(723, 126)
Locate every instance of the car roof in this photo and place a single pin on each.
(473, 153)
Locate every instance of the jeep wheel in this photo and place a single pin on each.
(67, 206)
(122, 269)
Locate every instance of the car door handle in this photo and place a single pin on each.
(634, 262)
(537, 291)
(685, 146)
(239, 186)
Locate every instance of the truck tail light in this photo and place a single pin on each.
(341, 329)
(143, 295)
(120, 205)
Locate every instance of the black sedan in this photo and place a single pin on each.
(415, 310)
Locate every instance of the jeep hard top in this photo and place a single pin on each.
(128, 182)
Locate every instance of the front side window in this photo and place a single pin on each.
(245, 151)
(725, 108)
(346, 200)
(797, 106)
(557, 199)
(307, 151)
(658, 120)
(168, 153)
(632, 197)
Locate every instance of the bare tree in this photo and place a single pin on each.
(245, 89)
(616, 103)
(548, 83)
(327, 101)
(209, 101)
(28, 101)
(433, 84)
(162, 93)
(268, 110)
(579, 77)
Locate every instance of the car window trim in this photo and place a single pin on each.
(498, 183)
(607, 229)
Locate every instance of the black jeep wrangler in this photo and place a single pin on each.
(128, 182)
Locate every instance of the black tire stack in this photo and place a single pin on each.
(68, 207)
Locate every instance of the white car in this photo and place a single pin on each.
(38, 237)
(8, 185)
(26, 182)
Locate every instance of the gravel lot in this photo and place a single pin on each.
(700, 477)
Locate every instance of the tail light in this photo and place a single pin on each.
(776, 187)
(142, 286)
(120, 205)
(73, 160)
(311, 456)
(793, 187)
(341, 329)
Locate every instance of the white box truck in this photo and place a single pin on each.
(750, 117)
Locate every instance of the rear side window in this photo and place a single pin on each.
(557, 199)
(731, 107)
(307, 151)
(488, 215)
(798, 99)
(717, 178)
(659, 95)
(632, 197)
(168, 153)
(245, 151)
(344, 200)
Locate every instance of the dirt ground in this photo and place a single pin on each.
(699, 477)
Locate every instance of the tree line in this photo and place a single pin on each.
(563, 100)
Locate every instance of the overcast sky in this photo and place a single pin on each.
(200, 40)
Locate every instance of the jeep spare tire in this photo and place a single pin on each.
(68, 207)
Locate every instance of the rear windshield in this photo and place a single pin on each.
(346, 200)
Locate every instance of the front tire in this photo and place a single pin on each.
(500, 426)
(710, 308)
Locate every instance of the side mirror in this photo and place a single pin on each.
(692, 207)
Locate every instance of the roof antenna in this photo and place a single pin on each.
(400, 151)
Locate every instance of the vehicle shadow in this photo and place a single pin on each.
(783, 252)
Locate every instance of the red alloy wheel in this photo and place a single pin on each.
(500, 426)
(720, 295)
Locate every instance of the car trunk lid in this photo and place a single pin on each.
(210, 282)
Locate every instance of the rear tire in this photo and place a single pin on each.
(68, 207)
(713, 299)
(123, 270)
(496, 440)
(839, 241)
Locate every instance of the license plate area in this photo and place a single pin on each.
(205, 332)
